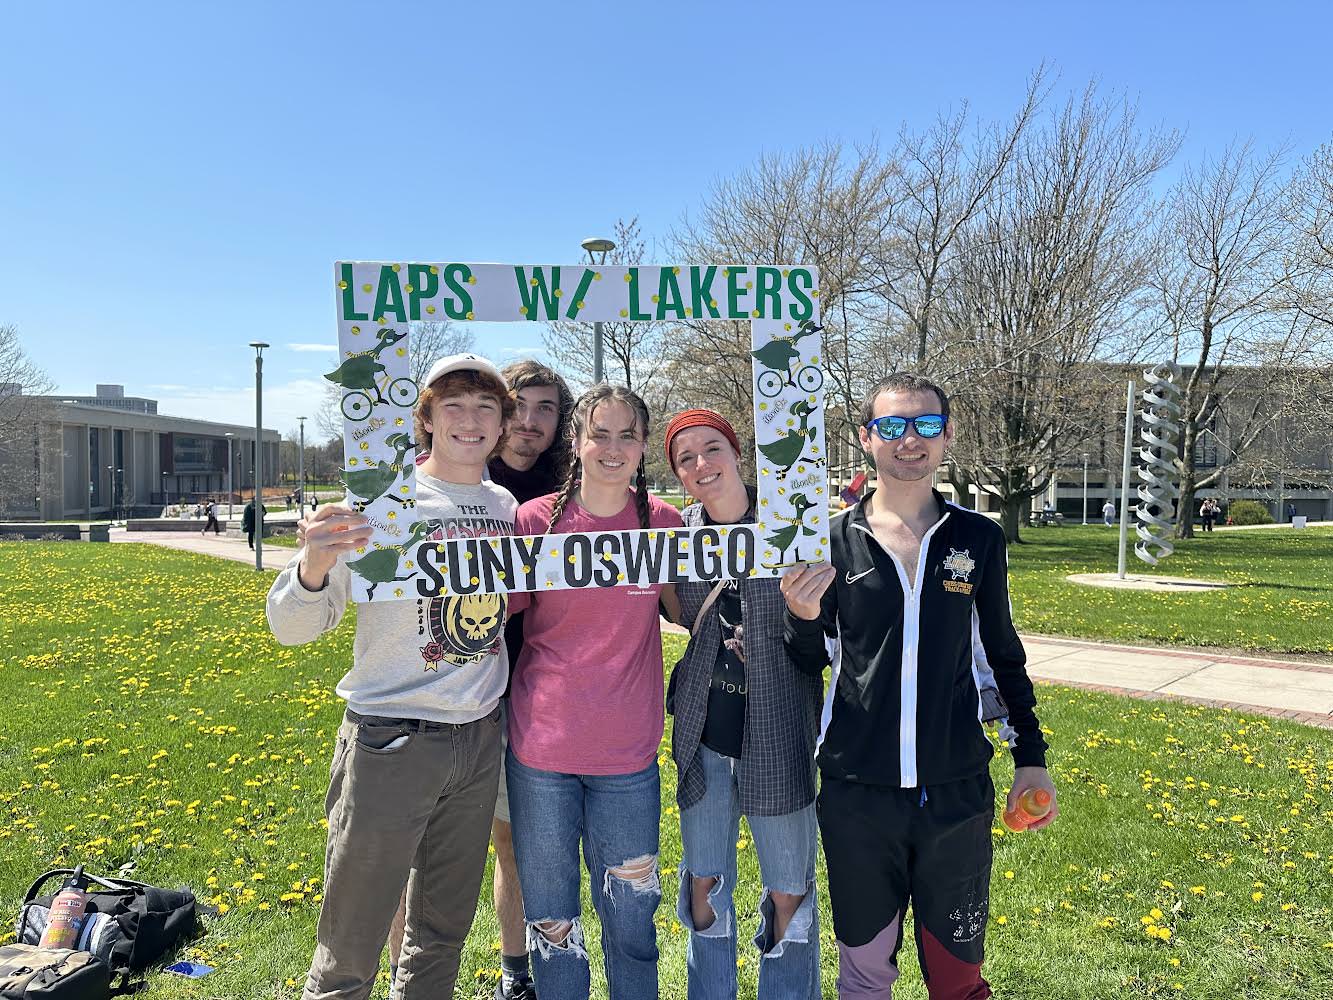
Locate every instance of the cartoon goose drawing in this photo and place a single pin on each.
(361, 371)
(784, 537)
(373, 482)
(779, 353)
(786, 450)
(381, 566)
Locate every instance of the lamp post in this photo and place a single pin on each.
(231, 453)
(603, 246)
(166, 497)
(259, 346)
(300, 503)
(1085, 487)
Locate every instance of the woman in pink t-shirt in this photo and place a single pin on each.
(585, 723)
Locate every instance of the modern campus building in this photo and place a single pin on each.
(109, 455)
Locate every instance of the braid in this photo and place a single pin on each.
(566, 491)
(641, 497)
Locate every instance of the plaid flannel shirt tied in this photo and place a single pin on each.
(776, 770)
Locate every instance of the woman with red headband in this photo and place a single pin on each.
(743, 743)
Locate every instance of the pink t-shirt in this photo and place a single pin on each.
(587, 690)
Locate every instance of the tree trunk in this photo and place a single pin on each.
(1188, 478)
(962, 486)
(1185, 506)
(1011, 516)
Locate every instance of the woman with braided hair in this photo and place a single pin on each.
(586, 720)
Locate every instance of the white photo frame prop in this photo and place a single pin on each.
(377, 301)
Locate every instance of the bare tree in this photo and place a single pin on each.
(1222, 282)
(945, 181)
(827, 206)
(1043, 283)
(22, 409)
(632, 351)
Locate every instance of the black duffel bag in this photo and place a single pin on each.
(31, 973)
(128, 925)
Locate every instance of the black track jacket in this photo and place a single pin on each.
(903, 707)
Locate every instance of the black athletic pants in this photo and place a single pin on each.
(885, 846)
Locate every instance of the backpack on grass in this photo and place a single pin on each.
(31, 973)
(128, 925)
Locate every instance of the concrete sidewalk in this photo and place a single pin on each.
(221, 546)
(1289, 689)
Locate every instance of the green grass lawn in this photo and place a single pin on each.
(150, 718)
(1281, 598)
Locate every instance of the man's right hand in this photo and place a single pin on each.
(803, 587)
(325, 535)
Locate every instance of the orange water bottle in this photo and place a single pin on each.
(1032, 806)
(67, 911)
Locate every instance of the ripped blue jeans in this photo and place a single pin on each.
(615, 818)
(786, 846)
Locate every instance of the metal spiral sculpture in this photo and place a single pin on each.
(1158, 491)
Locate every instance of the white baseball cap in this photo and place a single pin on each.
(463, 362)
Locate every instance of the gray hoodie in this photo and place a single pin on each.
(442, 659)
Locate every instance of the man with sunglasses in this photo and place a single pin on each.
(916, 603)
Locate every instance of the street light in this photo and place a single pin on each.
(1085, 487)
(259, 346)
(231, 453)
(166, 497)
(603, 246)
(300, 503)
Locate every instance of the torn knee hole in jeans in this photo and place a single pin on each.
(798, 927)
(720, 924)
(547, 937)
(640, 874)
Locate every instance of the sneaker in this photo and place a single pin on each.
(519, 989)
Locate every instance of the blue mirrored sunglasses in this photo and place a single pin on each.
(927, 425)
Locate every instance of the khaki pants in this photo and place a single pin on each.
(409, 802)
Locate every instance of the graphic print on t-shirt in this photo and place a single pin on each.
(466, 628)
(724, 723)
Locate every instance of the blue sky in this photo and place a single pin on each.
(177, 179)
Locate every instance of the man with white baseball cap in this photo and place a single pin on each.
(416, 761)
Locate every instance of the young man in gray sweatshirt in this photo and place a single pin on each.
(415, 765)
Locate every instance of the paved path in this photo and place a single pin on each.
(275, 556)
(1302, 691)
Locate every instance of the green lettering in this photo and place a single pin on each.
(456, 279)
(804, 307)
(389, 295)
(536, 294)
(634, 311)
(424, 286)
(769, 286)
(668, 294)
(576, 302)
(701, 292)
(734, 293)
(348, 294)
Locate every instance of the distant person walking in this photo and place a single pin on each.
(248, 522)
(211, 510)
(1108, 513)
